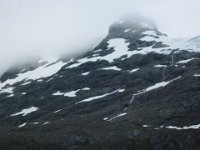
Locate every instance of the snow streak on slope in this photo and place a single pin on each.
(161, 84)
(25, 112)
(153, 87)
(197, 126)
(111, 68)
(100, 96)
(120, 115)
(186, 61)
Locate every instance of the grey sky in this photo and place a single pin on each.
(31, 27)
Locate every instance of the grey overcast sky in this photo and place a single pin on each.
(29, 27)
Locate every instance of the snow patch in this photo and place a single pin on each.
(153, 87)
(22, 125)
(85, 73)
(97, 97)
(7, 90)
(175, 127)
(120, 115)
(58, 93)
(57, 111)
(196, 75)
(41, 72)
(111, 68)
(47, 122)
(121, 90)
(127, 30)
(133, 70)
(71, 93)
(186, 61)
(160, 66)
(25, 112)
(161, 84)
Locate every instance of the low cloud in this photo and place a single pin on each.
(52, 27)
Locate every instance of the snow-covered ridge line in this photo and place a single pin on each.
(120, 46)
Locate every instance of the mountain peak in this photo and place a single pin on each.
(130, 24)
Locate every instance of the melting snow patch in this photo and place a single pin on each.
(41, 72)
(85, 73)
(71, 93)
(185, 61)
(145, 126)
(161, 84)
(120, 115)
(99, 50)
(120, 48)
(11, 95)
(106, 118)
(47, 122)
(196, 75)
(58, 93)
(40, 80)
(127, 30)
(26, 83)
(95, 55)
(121, 90)
(49, 79)
(7, 90)
(176, 127)
(133, 70)
(86, 89)
(160, 66)
(57, 111)
(111, 68)
(156, 86)
(184, 128)
(25, 112)
(22, 125)
(97, 97)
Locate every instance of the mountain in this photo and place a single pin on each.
(136, 90)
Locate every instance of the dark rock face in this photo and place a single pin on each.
(135, 90)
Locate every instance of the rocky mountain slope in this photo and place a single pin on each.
(138, 89)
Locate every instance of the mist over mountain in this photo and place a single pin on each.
(47, 27)
(136, 89)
